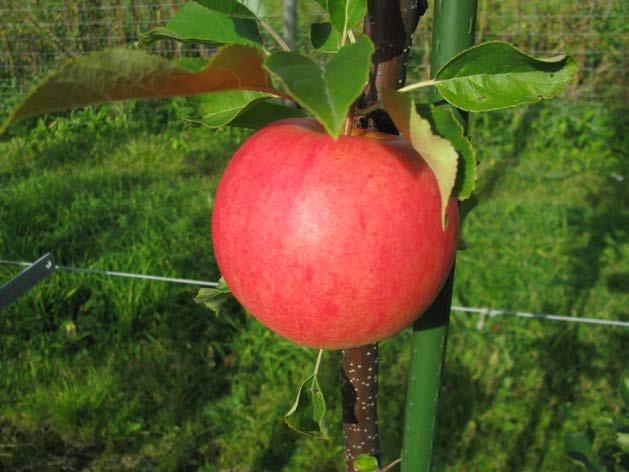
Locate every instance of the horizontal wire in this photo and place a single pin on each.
(113, 273)
(523, 314)
(491, 312)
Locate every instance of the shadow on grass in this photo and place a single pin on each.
(564, 360)
(605, 222)
(459, 396)
(281, 446)
(160, 381)
(520, 128)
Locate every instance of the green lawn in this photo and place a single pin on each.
(111, 374)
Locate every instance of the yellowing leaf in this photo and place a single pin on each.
(444, 122)
(121, 74)
(438, 152)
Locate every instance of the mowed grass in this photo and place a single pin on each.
(119, 374)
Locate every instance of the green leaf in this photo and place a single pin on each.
(121, 74)
(445, 122)
(578, 447)
(366, 463)
(496, 75)
(307, 415)
(326, 91)
(214, 298)
(324, 38)
(194, 23)
(438, 152)
(228, 7)
(262, 113)
(220, 108)
(346, 13)
(191, 64)
(259, 8)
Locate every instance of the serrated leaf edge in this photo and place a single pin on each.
(550, 60)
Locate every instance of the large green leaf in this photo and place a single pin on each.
(326, 91)
(120, 74)
(196, 23)
(325, 38)
(346, 13)
(438, 152)
(220, 108)
(497, 75)
(445, 123)
(307, 415)
(262, 113)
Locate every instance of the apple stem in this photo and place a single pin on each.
(359, 389)
(349, 120)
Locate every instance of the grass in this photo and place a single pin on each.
(112, 374)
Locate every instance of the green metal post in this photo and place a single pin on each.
(453, 31)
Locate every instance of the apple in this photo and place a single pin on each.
(331, 244)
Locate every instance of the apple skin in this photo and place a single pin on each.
(331, 244)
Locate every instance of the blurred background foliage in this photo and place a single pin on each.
(37, 34)
(112, 374)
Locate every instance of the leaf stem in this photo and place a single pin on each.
(391, 465)
(274, 35)
(350, 36)
(416, 85)
(318, 363)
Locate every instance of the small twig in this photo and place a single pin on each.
(369, 109)
(391, 465)
(274, 34)
(416, 85)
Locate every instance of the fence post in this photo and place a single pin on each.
(453, 30)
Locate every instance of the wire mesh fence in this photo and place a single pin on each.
(36, 35)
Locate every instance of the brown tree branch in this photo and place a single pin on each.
(391, 25)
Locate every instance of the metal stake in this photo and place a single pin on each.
(25, 280)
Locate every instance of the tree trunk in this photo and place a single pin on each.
(390, 24)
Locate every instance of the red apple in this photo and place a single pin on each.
(331, 244)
